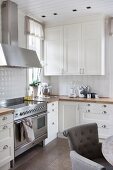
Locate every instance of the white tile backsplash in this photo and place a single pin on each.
(98, 84)
(12, 82)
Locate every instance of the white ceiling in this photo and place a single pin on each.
(64, 8)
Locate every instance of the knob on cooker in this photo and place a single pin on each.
(21, 113)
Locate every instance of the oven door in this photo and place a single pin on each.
(19, 134)
(40, 124)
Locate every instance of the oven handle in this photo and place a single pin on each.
(17, 121)
(39, 115)
(34, 117)
(43, 114)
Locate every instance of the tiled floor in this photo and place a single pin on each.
(54, 156)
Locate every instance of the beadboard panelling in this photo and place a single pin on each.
(64, 9)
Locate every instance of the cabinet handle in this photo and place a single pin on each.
(62, 71)
(52, 104)
(88, 104)
(5, 147)
(103, 126)
(88, 110)
(83, 71)
(105, 105)
(4, 118)
(104, 112)
(53, 110)
(53, 123)
(5, 127)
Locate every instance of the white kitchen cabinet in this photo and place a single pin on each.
(52, 121)
(6, 140)
(54, 51)
(68, 116)
(76, 49)
(92, 58)
(102, 114)
(72, 49)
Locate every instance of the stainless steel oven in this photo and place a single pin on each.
(37, 111)
(39, 128)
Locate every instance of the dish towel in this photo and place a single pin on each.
(28, 127)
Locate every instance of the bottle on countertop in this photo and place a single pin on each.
(72, 90)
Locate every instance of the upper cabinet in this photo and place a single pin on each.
(92, 58)
(72, 49)
(54, 51)
(76, 49)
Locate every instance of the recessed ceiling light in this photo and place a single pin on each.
(43, 16)
(74, 10)
(55, 14)
(88, 7)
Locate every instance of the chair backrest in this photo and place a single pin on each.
(84, 140)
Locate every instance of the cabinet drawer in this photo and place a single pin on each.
(6, 131)
(105, 129)
(88, 115)
(6, 152)
(53, 118)
(51, 107)
(96, 108)
(6, 119)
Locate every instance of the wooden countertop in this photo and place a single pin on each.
(4, 111)
(99, 100)
(53, 98)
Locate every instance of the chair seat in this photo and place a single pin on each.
(103, 162)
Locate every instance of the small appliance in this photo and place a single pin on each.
(46, 90)
(83, 91)
(72, 90)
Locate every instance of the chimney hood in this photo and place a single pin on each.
(10, 54)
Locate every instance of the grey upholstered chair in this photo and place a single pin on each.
(85, 148)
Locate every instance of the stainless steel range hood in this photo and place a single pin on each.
(10, 53)
(18, 57)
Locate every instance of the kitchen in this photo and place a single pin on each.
(65, 74)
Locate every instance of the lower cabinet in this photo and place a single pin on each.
(6, 141)
(102, 114)
(70, 113)
(52, 121)
(76, 113)
(68, 116)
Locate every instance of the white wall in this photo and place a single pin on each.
(103, 85)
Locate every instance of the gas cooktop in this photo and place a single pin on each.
(24, 108)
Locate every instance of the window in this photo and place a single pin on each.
(35, 37)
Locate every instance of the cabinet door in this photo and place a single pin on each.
(92, 61)
(6, 151)
(72, 48)
(52, 121)
(67, 115)
(53, 51)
